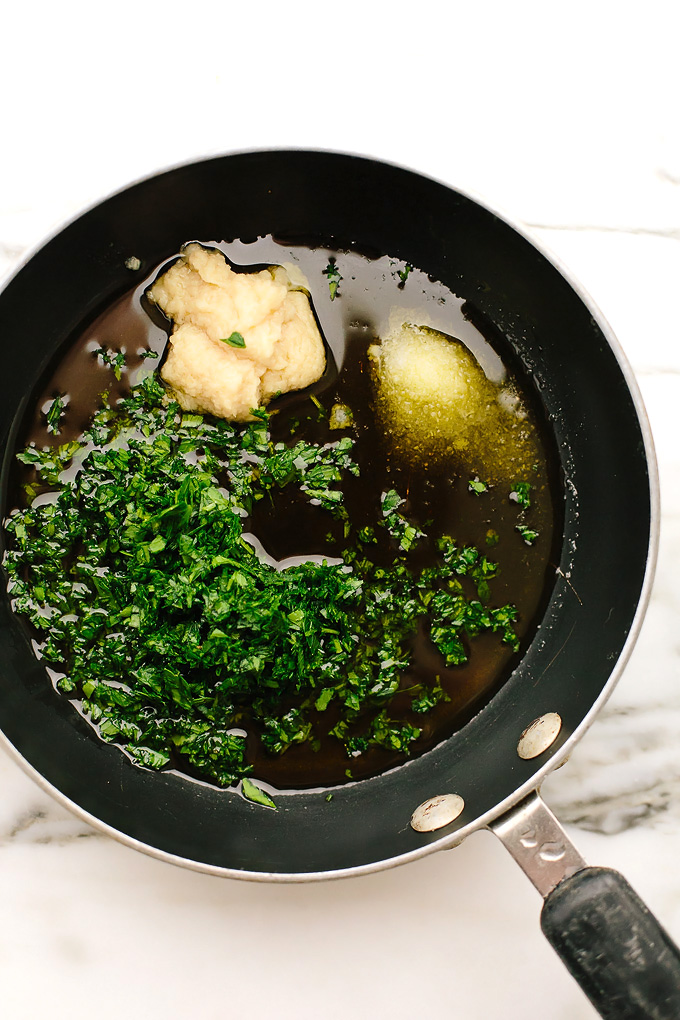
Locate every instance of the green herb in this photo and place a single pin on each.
(253, 792)
(527, 534)
(390, 501)
(404, 273)
(474, 485)
(492, 537)
(54, 414)
(329, 798)
(177, 637)
(324, 699)
(235, 340)
(394, 736)
(520, 494)
(113, 359)
(396, 524)
(49, 464)
(149, 757)
(148, 354)
(426, 698)
(332, 273)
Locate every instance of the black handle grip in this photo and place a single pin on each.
(615, 948)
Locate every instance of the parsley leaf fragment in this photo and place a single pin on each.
(396, 524)
(234, 340)
(113, 359)
(251, 791)
(426, 698)
(520, 494)
(54, 414)
(332, 273)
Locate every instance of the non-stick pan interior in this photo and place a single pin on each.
(355, 204)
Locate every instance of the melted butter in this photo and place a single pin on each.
(435, 405)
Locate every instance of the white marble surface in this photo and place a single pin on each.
(569, 121)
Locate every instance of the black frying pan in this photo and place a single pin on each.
(601, 585)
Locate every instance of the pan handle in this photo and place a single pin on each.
(618, 952)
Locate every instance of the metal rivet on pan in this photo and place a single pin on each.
(539, 735)
(436, 812)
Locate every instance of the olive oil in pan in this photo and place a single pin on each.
(81, 376)
(372, 293)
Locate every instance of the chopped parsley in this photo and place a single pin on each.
(520, 494)
(527, 534)
(476, 486)
(113, 359)
(426, 698)
(332, 273)
(175, 635)
(251, 791)
(398, 526)
(54, 414)
(235, 340)
(404, 273)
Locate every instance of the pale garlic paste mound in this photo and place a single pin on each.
(435, 404)
(208, 302)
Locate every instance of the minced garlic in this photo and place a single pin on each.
(280, 349)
